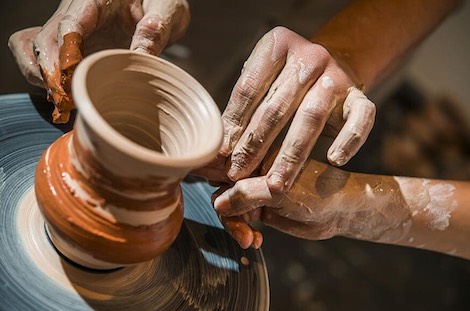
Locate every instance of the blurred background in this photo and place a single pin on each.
(422, 129)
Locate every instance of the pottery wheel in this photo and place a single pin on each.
(203, 270)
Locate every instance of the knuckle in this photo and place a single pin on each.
(355, 134)
(250, 146)
(320, 53)
(244, 92)
(276, 110)
(370, 108)
(14, 39)
(314, 112)
(233, 128)
(292, 155)
(280, 30)
(242, 157)
(149, 25)
(289, 158)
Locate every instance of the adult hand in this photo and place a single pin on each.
(48, 55)
(288, 77)
(323, 202)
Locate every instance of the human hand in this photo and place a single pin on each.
(48, 55)
(285, 77)
(323, 202)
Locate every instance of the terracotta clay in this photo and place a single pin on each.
(109, 190)
(59, 81)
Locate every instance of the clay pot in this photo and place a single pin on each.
(110, 189)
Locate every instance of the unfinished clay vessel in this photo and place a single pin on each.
(110, 189)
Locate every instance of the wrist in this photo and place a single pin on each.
(377, 211)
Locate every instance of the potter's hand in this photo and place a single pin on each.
(285, 77)
(48, 55)
(323, 202)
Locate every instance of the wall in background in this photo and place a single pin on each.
(441, 65)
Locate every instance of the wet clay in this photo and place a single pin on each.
(110, 189)
(58, 82)
(79, 210)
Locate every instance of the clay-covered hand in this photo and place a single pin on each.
(323, 202)
(48, 55)
(288, 77)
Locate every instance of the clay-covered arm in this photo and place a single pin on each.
(326, 201)
(309, 87)
(440, 218)
(372, 37)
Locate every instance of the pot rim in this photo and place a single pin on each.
(90, 115)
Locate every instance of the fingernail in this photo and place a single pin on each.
(338, 157)
(222, 203)
(233, 172)
(238, 236)
(275, 182)
(257, 241)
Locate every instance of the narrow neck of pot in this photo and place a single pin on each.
(143, 117)
(119, 178)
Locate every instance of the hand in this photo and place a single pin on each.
(323, 202)
(48, 55)
(288, 77)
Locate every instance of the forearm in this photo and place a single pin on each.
(371, 37)
(440, 216)
(417, 212)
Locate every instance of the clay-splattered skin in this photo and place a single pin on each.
(287, 76)
(48, 55)
(325, 201)
(318, 84)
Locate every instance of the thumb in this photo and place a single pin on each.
(21, 45)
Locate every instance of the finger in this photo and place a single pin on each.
(244, 234)
(163, 22)
(272, 115)
(21, 45)
(259, 71)
(276, 109)
(45, 42)
(46, 48)
(306, 127)
(81, 17)
(359, 113)
(254, 215)
(246, 195)
(257, 239)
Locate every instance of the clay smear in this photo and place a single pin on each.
(432, 199)
(58, 79)
(439, 209)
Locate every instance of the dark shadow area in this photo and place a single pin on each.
(45, 108)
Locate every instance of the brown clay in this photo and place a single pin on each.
(79, 222)
(58, 82)
(110, 190)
